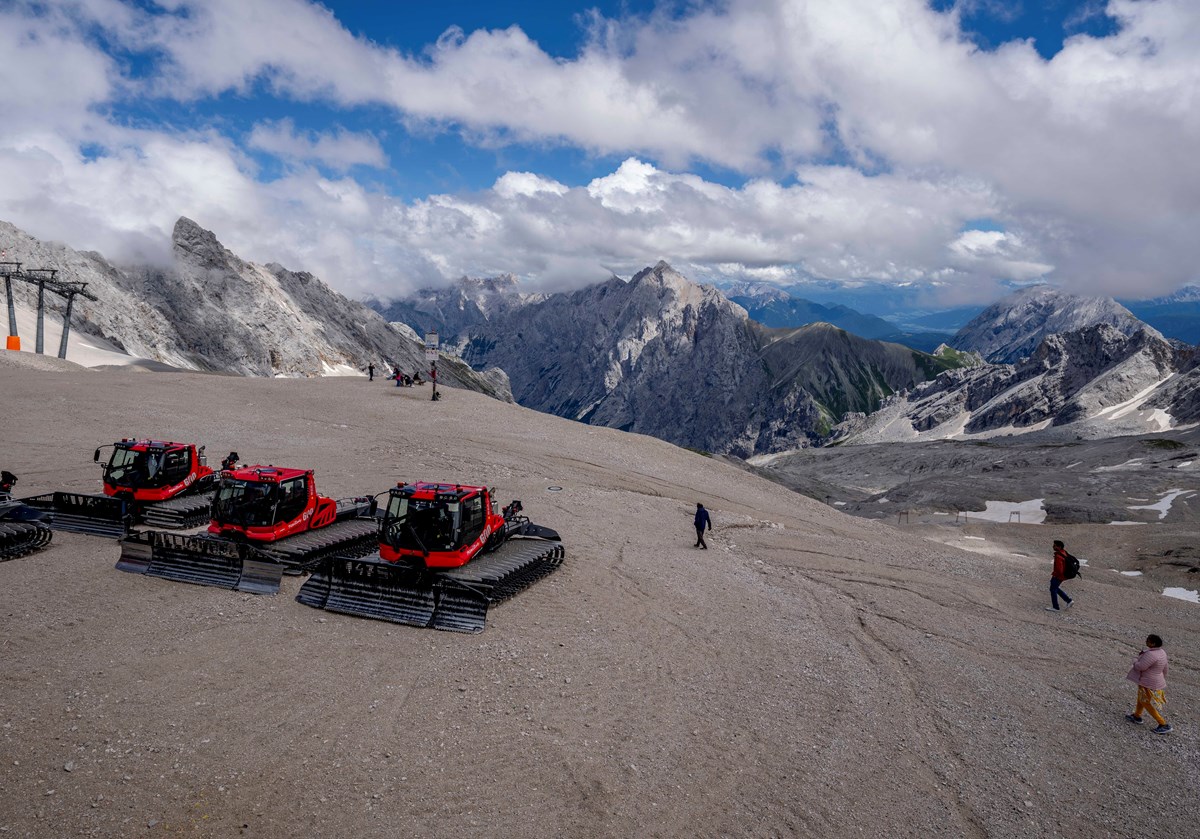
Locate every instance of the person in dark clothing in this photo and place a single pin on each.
(370, 372)
(7, 480)
(703, 522)
(1057, 577)
(230, 462)
(398, 376)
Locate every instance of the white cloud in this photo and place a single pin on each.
(339, 149)
(1087, 160)
(514, 184)
(995, 253)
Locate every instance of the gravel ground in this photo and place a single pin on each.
(812, 674)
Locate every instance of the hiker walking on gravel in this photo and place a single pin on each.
(703, 522)
(370, 372)
(1149, 671)
(1066, 567)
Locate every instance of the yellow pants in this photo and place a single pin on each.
(1151, 701)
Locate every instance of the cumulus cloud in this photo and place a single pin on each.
(867, 134)
(338, 150)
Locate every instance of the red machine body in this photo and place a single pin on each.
(155, 470)
(269, 503)
(439, 525)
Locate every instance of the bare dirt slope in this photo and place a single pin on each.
(812, 674)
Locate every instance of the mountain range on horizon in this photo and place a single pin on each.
(657, 354)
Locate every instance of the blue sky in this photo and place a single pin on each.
(960, 146)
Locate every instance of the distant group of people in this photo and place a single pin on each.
(401, 379)
(1149, 671)
(405, 380)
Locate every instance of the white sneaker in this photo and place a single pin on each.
(1052, 609)
(1070, 603)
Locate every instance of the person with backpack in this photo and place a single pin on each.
(1066, 567)
(1149, 672)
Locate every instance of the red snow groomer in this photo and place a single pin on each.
(446, 552)
(169, 484)
(159, 483)
(265, 521)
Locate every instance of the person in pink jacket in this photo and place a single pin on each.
(1150, 672)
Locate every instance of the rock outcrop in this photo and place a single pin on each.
(1012, 328)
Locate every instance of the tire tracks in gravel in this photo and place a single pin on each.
(892, 665)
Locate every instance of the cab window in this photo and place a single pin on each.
(175, 467)
(472, 519)
(293, 498)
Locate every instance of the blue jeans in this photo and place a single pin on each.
(1055, 591)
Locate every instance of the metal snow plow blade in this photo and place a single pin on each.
(178, 513)
(456, 600)
(18, 538)
(241, 566)
(98, 515)
(201, 560)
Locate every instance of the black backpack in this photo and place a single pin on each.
(1070, 567)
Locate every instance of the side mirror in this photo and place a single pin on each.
(96, 456)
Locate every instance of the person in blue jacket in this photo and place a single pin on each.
(703, 522)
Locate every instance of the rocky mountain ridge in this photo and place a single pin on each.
(210, 310)
(452, 310)
(775, 307)
(1014, 326)
(663, 356)
(1096, 382)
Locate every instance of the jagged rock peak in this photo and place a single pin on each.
(189, 239)
(663, 276)
(499, 283)
(1013, 327)
(660, 272)
(757, 290)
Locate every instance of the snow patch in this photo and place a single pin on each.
(84, 349)
(1031, 512)
(1127, 522)
(328, 369)
(1163, 504)
(980, 538)
(1188, 594)
(1162, 419)
(1122, 409)
(1130, 573)
(1129, 464)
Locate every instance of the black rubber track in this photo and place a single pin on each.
(178, 513)
(18, 538)
(456, 600)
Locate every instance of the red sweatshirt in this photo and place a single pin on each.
(1060, 558)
